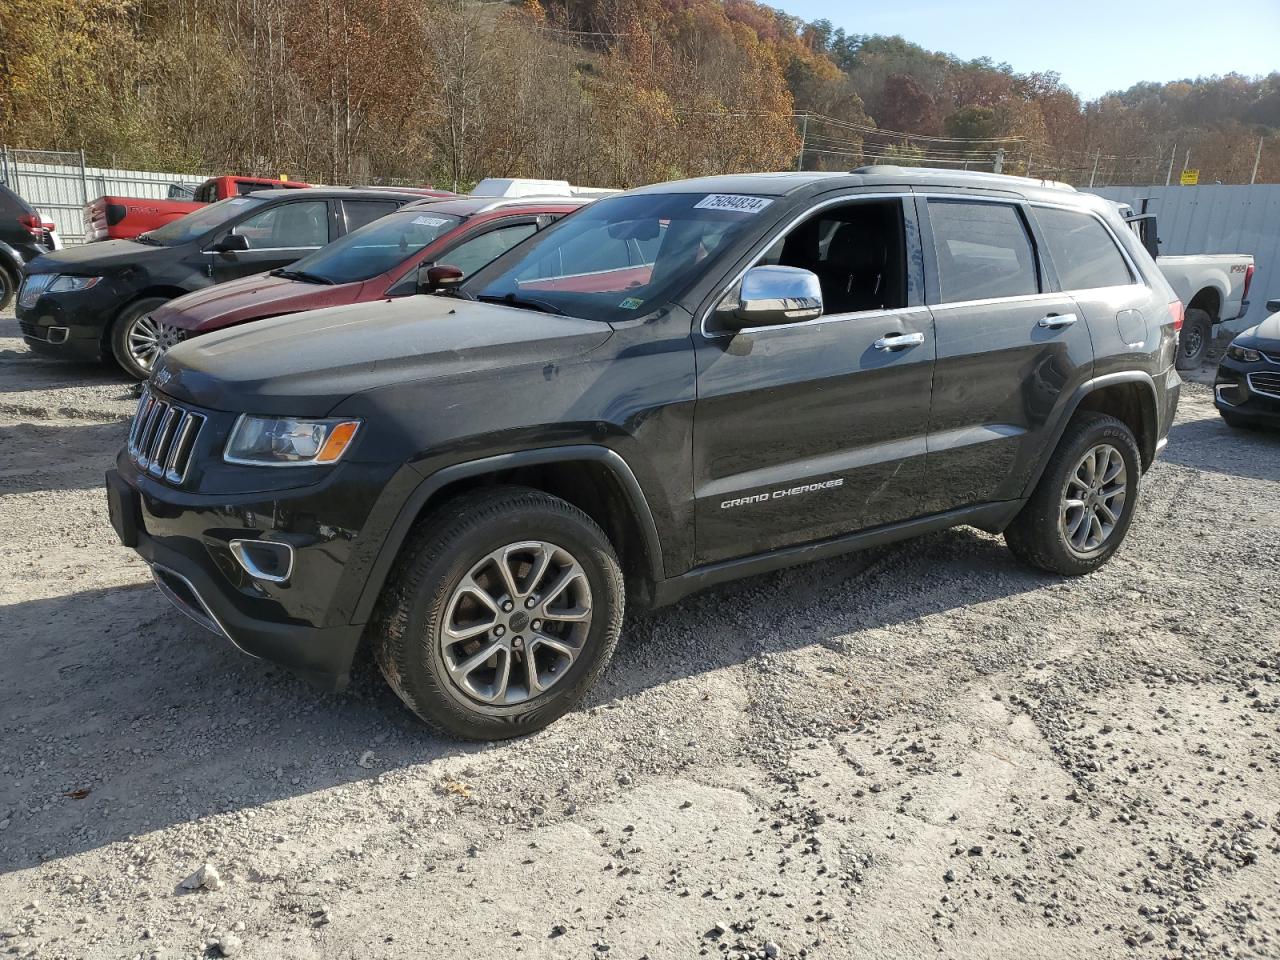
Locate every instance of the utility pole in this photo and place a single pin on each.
(1173, 155)
(1096, 157)
(1256, 160)
(999, 164)
(804, 136)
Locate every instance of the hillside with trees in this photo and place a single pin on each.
(603, 92)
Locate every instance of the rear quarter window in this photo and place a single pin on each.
(1082, 250)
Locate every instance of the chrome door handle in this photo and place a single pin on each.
(899, 341)
(1056, 321)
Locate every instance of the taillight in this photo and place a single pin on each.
(1248, 279)
(33, 224)
(1178, 312)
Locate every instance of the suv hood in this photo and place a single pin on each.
(249, 298)
(304, 364)
(92, 259)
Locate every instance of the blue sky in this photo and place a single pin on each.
(1096, 46)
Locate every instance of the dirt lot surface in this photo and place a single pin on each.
(921, 751)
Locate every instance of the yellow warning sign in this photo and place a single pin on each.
(1190, 178)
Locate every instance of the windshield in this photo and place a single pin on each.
(621, 256)
(377, 246)
(199, 222)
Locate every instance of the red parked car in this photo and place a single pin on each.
(381, 259)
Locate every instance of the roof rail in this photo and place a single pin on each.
(884, 169)
(530, 200)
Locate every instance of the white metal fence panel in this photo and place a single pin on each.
(1218, 219)
(58, 185)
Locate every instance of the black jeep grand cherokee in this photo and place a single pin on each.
(668, 389)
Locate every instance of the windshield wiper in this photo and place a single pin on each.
(522, 303)
(303, 276)
(148, 240)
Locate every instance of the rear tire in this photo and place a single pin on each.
(449, 602)
(1050, 533)
(131, 336)
(8, 287)
(1194, 340)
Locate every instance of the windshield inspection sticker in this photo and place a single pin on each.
(631, 303)
(429, 221)
(737, 203)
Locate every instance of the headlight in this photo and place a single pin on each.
(65, 284)
(286, 441)
(1243, 354)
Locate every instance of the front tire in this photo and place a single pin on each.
(504, 610)
(8, 287)
(1082, 507)
(137, 341)
(1236, 422)
(1194, 339)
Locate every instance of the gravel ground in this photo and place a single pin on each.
(924, 750)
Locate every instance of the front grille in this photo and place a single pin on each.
(162, 437)
(1271, 357)
(1265, 383)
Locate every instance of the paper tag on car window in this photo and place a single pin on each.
(239, 200)
(734, 202)
(429, 221)
(631, 303)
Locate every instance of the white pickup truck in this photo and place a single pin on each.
(1213, 287)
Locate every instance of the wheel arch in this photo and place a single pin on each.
(1209, 299)
(593, 478)
(1129, 396)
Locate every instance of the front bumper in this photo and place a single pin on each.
(1249, 391)
(304, 623)
(71, 326)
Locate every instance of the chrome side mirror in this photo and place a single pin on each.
(773, 295)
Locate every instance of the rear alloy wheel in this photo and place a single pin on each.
(503, 612)
(1194, 339)
(138, 340)
(1082, 507)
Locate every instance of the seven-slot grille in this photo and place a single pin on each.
(163, 436)
(1266, 383)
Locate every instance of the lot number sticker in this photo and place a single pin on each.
(429, 221)
(734, 202)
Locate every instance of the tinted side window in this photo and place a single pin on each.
(1082, 251)
(470, 255)
(360, 212)
(289, 225)
(983, 251)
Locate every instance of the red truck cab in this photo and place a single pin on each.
(123, 218)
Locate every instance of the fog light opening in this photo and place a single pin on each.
(264, 560)
(58, 334)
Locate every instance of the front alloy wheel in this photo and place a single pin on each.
(138, 340)
(503, 610)
(516, 623)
